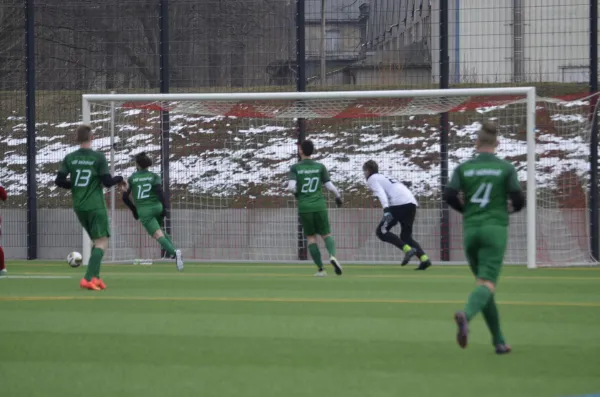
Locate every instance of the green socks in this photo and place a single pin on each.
(330, 245)
(167, 245)
(406, 248)
(482, 300)
(423, 258)
(169, 238)
(478, 299)
(315, 254)
(93, 268)
(492, 319)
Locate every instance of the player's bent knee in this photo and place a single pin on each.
(311, 239)
(490, 285)
(101, 243)
(380, 233)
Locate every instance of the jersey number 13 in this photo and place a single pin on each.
(82, 177)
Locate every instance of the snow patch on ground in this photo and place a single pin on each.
(223, 156)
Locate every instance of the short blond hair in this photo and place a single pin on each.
(487, 135)
(84, 133)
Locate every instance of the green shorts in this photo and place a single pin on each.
(95, 223)
(150, 218)
(315, 223)
(485, 247)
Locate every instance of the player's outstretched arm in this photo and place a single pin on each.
(62, 181)
(292, 180)
(104, 172)
(291, 186)
(161, 197)
(331, 187)
(452, 191)
(453, 200)
(63, 172)
(127, 201)
(110, 181)
(517, 199)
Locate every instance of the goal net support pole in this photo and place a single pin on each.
(531, 185)
(86, 249)
(427, 97)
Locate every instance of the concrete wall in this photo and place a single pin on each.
(484, 53)
(556, 36)
(390, 76)
(270, 234)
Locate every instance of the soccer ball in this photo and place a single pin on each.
(74, 259)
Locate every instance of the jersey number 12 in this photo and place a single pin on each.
(143, 191)
(482, 195)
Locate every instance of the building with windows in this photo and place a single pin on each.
(490, 41)
(396, 45)
(343, 40)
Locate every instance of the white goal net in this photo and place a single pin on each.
(229, 155)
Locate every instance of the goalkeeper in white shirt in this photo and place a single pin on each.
(399, 206)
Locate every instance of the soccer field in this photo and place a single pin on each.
(273, 330)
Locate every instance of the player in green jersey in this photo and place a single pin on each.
(306, 179)
(490, 191)
(89, 173)
(150, 206)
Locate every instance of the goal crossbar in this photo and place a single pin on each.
(325, 95)
(528, 92)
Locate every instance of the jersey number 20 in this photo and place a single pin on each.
(310, 185)
(482, 195)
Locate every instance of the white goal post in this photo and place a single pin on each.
(394, 126)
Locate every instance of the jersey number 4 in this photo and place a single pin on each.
(143, 191)
(310, 185)
(482, 195)
(82, 178)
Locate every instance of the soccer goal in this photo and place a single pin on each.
(229, 154)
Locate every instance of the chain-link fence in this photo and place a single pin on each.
(83, 46)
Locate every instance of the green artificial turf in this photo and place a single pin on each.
(273, 330)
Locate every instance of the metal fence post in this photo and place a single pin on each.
(301, 87)
(444, 130)
(30, 122)
(165, 119)
(593, 194)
